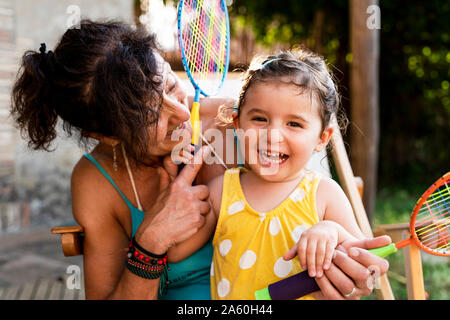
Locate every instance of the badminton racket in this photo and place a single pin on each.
(429, 229)
(204, 40)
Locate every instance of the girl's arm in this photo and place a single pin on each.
(333, 205)
(337, 224)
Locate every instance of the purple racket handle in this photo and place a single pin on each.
(291, 288)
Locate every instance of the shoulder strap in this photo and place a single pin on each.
(130, 174)
(231, 191)
(107, 176)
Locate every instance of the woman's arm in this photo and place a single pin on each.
(185, 249)
(105, 242)
(210, 105)
(175, 216)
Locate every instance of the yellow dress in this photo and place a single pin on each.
(249, 245)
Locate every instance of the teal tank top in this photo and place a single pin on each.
(188, 279)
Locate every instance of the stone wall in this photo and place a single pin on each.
(35, 186)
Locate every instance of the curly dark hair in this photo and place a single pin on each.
(102, 78)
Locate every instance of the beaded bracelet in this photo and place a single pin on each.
(147, 265)
(134, 244)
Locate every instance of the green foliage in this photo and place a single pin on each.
(414, 73)
(292, 22)
(395, 206)
(414, 101)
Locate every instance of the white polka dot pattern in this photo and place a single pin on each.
(247, 260)
(282, 267)
(223, 287)
(274, 226)
(225, 247)
(236, 207)
(297, 195)
(297, 232)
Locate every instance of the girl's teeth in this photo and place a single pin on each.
(273, 157)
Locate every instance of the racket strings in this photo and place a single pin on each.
(204, 37)
(432, 228)
(204, 58)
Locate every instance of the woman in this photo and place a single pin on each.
(108, 82)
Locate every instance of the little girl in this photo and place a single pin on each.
(273, 209)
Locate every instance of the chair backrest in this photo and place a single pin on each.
(349, 184)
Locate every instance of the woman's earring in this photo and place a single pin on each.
(114, 158)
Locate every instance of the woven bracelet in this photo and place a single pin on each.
(143, 272)
(148, 265)
(147, 253)
(145, 256)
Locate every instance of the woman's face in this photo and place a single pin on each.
(173, 126)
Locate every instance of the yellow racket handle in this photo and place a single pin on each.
(195, 122)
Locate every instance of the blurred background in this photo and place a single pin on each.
(391, 60)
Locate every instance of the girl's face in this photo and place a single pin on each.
(174, 115)
(282, 129)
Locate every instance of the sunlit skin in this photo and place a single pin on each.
(104, 214)
(293, 128)
(286, 122)
(174, 113)
(288, 118)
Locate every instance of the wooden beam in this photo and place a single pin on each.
(350, 187)
(364, 100)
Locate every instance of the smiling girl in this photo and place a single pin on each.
(273, 208)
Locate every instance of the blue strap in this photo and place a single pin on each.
(109, 179)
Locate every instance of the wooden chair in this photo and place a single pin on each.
(353, 187)
(72, 237)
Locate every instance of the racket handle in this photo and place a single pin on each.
(291, 288)
(195, 122)
(384, 251)
(301, 284)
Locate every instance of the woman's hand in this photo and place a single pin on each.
(351, 276)
(178, 212)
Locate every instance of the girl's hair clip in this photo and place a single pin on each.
(269, 62)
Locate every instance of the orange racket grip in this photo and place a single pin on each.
(403, 243)
(195, 122)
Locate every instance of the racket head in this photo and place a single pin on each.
(430, 221)
(204, 41)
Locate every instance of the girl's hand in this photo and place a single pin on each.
(315, 247)
(351, 276)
